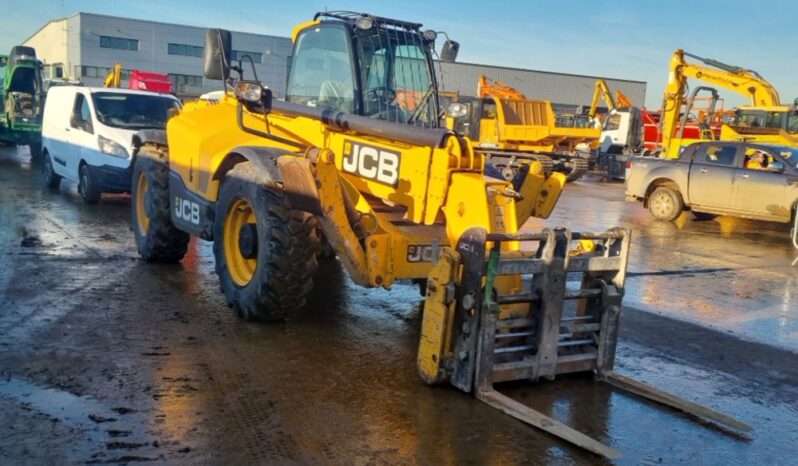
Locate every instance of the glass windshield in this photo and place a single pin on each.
(321, 71)
(395, 73)
(3, 64)
(759, 119)
(133, 111)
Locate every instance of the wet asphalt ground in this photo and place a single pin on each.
(105, 359)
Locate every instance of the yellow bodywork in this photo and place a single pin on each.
(441, 191)
(530, 126)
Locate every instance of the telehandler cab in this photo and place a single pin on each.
(357, 152)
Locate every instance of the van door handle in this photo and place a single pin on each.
(66, 129)
(703, 170)
(745, 175)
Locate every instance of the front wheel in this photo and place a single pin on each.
(265, 252)
(86, 187)
(665, 204)
(51, 179)
(157, 238)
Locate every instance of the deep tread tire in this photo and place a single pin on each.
(665, 204)
(287, 245)
(51, 179)
(162, 241)
(86, 188)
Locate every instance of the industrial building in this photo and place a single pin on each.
(85, 46)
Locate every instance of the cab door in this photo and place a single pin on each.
(761, 191)
(712, 175)
(81, 133)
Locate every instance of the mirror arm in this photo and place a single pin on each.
(254, 132)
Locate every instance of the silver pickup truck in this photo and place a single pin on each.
(758, 181)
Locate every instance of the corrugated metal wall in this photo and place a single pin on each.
(561, 89)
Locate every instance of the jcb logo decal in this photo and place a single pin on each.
(371, 162)
(187, 211)
(419, 253)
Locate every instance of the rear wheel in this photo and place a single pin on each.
(50, 178)
(665, 204)
(265, 252)
(157, 238)
(35, 150)
(86, 188)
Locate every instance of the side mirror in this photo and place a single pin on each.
(449, 51)
(217, 54)
(776, 166)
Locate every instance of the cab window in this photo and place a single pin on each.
(81, 114)
(757, 159)
(321, 70)
(718, 154)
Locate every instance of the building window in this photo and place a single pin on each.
(256, 57)
(185, 49)
(180, 80)
(100, 72)
(119, 43)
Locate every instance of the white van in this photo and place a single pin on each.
(87, 135)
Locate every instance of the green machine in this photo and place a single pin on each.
(23, 99)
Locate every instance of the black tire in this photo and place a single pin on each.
(51, 179)
(159, 240)
(665, 204)
(35, 149)
(701, 216)
(86, 188)
(285, 256)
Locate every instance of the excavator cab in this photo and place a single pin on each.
(366, 65)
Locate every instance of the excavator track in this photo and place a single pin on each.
(578, 167)
(508, 162)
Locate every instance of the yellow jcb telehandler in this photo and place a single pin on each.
(358, 153)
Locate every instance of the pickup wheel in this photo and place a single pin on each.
(665, 204)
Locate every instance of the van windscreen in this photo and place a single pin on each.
(133, 111)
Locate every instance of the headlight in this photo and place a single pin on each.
(456, 110)
(109, 147)
(249, 91)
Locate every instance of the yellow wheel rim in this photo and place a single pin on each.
(241, 269)
(142, 218)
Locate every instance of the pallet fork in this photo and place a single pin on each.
(572, 329)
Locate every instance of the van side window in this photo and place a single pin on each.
(81, 115)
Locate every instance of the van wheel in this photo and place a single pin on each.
(665, 204)
(157, 238)
(265, 252)
(86, 187)
(51, 179)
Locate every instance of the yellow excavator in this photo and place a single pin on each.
(602, 92)
(357, 154)
(764, 120)
(512, 130)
